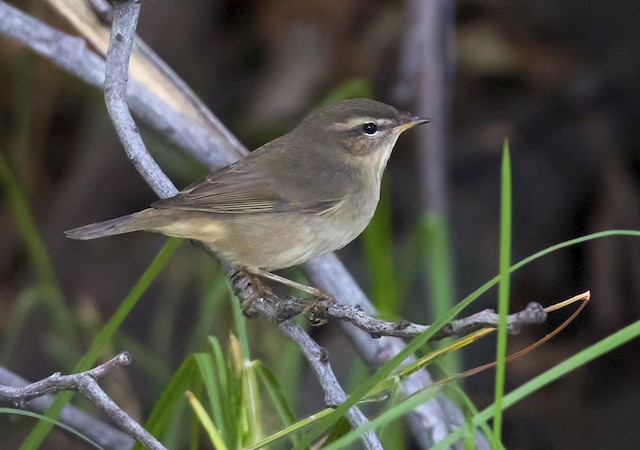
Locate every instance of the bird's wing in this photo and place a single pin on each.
(235, 190)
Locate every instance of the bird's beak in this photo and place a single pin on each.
(411, 123)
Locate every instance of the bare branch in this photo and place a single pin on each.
(533, 314)
(326, 309)
(58, 382)
(86, 383)
(115, 87)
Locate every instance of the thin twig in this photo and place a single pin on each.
(86, 383)
(57, 382)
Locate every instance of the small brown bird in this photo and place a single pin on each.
(304, 194)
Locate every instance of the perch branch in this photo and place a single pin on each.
(328, 309)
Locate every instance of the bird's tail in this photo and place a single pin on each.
(125, 224)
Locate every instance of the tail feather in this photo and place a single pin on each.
(119, 225)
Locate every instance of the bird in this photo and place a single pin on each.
(304, 194)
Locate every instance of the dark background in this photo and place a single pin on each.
(559, 79)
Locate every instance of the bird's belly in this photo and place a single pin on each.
(277, 241)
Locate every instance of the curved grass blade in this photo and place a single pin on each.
(162, 411)
(53, 422)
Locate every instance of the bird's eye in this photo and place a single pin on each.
(370, 128)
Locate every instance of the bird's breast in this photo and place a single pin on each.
(351, 216)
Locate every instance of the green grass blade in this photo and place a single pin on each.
(606, 345)
(224, 400)
(17, 317)
(290, 430)
(469, 409)
(52, 422)
(209, 373)
(165, 406)
(580, 359)
(562, 245)
(276, 394)
(214, 294)
(103, 339)
(356, 87)
(339, 430)
(206, 422)
(394, 433)
(377, 244)
(387, 417)
(195, 430)
(253, 403)
(61, 317)
(503, 292)
(436, 248)
(569, 243)
(240, 322)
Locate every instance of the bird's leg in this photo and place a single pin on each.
(316, 293)
(259, 290)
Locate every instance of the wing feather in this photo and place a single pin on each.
(235, 191)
